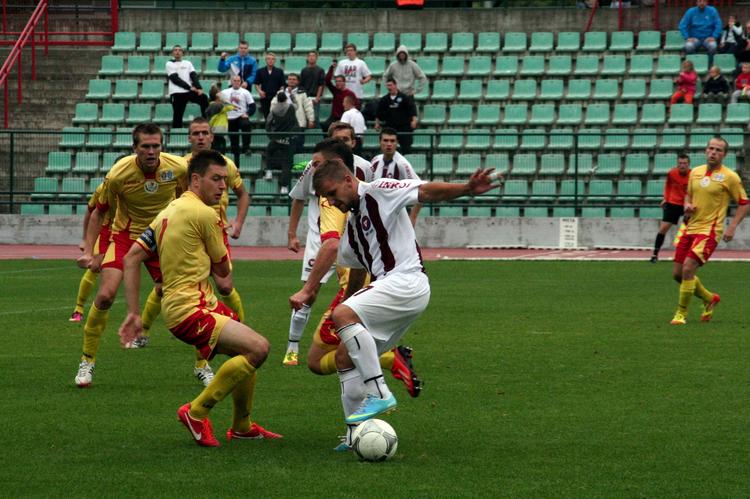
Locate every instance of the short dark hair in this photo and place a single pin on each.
(292, 74)
(199, 120)
(243, 42)
(683, 155)
(201, 160)
(391, 80)
(719, 137)
(329, 169)
(350, 45)
(145, 129)
(387, 131)
(176, 47)
(341, 77)
(332, 148)
(340, 125)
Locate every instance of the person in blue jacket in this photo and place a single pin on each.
(242, 64)
(701, 27)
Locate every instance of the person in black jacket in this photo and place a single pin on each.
(716, 87)
(268, 81)
(184, 86)
(282, 126)
(398, 111)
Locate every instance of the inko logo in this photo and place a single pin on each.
(366, 223)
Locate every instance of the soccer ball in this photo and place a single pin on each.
(374, 440)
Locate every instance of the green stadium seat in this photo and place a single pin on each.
(468, 164)
(86, 162)
(709, 114)
(477, 211)
(616, 139)
(451, 138)
(251, 164)
(579, 89)
(628, 191)
(173, 38)
(650, 212)
(568, 41)
(506, 139)
(376, 64)
(697, 158)
(570, 189)
(673, 138)
(515, 114)
(649, 41)
(123, 137)
(428, 64)
(369, 90)
(587, 65)
(256, 210)
(625, 114)
(94, 182)
(86, 113)
(125, 90)
(331, 42)
(44, 188)
(681, 114)
(497, 90)
(444, 90)
(524, 90)
(418, 162)
(279, 211)
(738, 113)
(498, 161)
(163, 114)
(360, 40)
(479, 65)
(433, 114)
(593, 212)
(150, 41)
(32, 209)
(280, 43)
(614, 65)
(506, 65)
(594, 41)
(608, 164)
(99, 138)
(325, 111)
(72, 137)
(563, 212)
(460, 115)
(597, 114)
(516, 190)
(507, 211)
(295, 64)
(700, 63)
(543, 190)
(112, 65)
(674, 42)
(515, 42)
(423, 139)
(453, 65)
(196, 61)
(259, 139)
(653, 114)
(560, 139)
(383, 42)
(641, 64)
(306, 42)
(733, 135)
(178, 139)
(112, 114)
(654, 191)
(159, 65)
(532, 65)
(726, 62)
(412, 42)
(560, 65)
(570, 114)
(486, 41)
(636, 164)
(552, 89)
(60, 209)
(470, 90)
(633, 89)
(487, 115)
(621, 41)
(668, 64)
(536, 211)
(533, 139)
(263, 186)
(451, 211)
(58, 162)
(108, 160)
(460, 42)
(99, 90)
(542, 114)
(256, 42)
(600, 190)
(442, 164)
(524, 164)
(124, 42)
(541, 41)
(138, 65)
(644, 138)
(552, 164)
(202, 41)
(606, 89)
(621, 212)
(73, 188)
(138, 113)
(436, 42)
(153, 90)
(589, 138)
(730, 160)
(227, 41)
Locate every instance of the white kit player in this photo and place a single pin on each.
(392, 164)
(379, 239)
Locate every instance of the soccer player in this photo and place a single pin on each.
(379, 239)
(140, 185)
(673, 202)
(187, 239)
(710, 188)
(392, 164)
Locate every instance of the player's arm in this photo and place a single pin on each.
(131, 326)
(243, 203)
(86, 218)
(296, 213)
(738, 194)
(212, 236)
(93, 228)
(479, 183)
(323, 261)
(414, 213)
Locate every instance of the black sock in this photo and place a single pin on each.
(658, 243)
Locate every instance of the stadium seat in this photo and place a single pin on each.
(360, 40)
(674, 42)
(621, 212)
(579, 89)
(597, 114)
(709, 114)
(32, 209)
(123, 138)
(498, 161)
(700, 63)
(125, 90)
(124, 42)
(560, 65)
(280, 43)
(633, 89)
(412, 42)
(497, 90)
(153, 90)
(305, 42)
(552, 164)
(178, 139)
(99, 90)
(444, 90)
(570, 114)
(552, 89)
(594, 41)
(227, 41)
(423, 140)
(506, 139)
(477, 211)
(112, 65)
(159, 65)
(650, 212)
(332, 42)
(532, 65)
(507, 211)
(86, 113)
(460, 115)
(644, 138)
(589, 138)
(738, 113)
(72, 137)
(654, 190)
(673, 138)
(112, 113)
(259, 139)
(570, 189)
(653, 114)
(428, 64)
(568, 41)
(586, 65)
(418, 163)
(563, 212)
(470, 90)
(608, 164)
(138, 65)
(163, 114)
(515, 190)
(524, 164)
(533, 138)
(436, 42)
(108, 160)
(681, 114)
(442, 164)
(86, 162)
(173, 38)
(453, 65)
(506, 65)
(44, 188)
(99, 138)
(515, 42)
(730, 160)
(202, 41)
(621, 41)
(541, 41)
(616, 139)
(295, 64)
(150, 41)
(600, 190)
(256, 42)
(606, 89)
(668, 64)
(560, 138)
(486, 41)
(383, 42)
(263, 186)
(451, 211)
(58, 162)
(536, 211)
(542, 114)
(376, 64)
(479, 65)
(369, 90)
(625, 114)
(468, 164)
(628, 190)
(460, 42)
(450, 138)
(196, 61)
(726, 62)
(250, 164)
(433, 114)
(60, 209)
(543, 190)
(636, 164)
(524, 90)
(648, 41)
(138, 113)
(614, 65)
(733, 135)
(593, 212)
(515, 114)
(641, 64)
(72, 188)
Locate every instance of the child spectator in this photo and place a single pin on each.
(685, 84)
(731, 37)
(716, 87)
(742, 84)
(216, 113)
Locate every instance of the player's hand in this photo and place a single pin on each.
(130, 329)
(481, 180)
(84, 261)
(300, 298)
(689, 209)
(224, 55)
(662, 203)
(729, 233)
(293, 244)
(236, 230)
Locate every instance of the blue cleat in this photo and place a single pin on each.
(342, 447)
(371, 407)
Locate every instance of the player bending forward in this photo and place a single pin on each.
(379, 239)
(187, 237)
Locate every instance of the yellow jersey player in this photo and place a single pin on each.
(140, 185)
(710, 188)
(187, 240)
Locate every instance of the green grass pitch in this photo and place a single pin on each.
(542, 379)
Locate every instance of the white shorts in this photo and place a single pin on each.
(312, 246)
(388, 306)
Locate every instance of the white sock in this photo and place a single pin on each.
(297, 327)
(364, 354)
(352, 390)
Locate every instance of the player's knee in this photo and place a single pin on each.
(159, 291)
(225, 289)
(260, 350)
(314, 366)
(343, 315)
(105, 298)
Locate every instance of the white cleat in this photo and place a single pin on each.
(139, 342)
(85, 374)
(204, 374)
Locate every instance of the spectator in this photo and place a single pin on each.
(405, 72)
(354, 117)
(701, 27)
(303, 109)
(268, 81)
(312, 81)
(685, 84)
(354, 70)
(184, 86)
(242, 64)
(216, 114)
(742, 84)
(339, 91)
(743, 50)
(239, 117)
(716, 87)
(398, 111)
(282, 125)
(731, 37)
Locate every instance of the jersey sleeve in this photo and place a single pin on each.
(147, 240)
(408, 170)
(302, 187)
(332, 221)
(106, 196)
(234, 180)
(211, 233)
(396, 194)
(737, 191)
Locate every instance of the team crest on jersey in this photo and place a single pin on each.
(705, 181)
(151, 186)
(366, 223)
(166, 175)
(719, 177)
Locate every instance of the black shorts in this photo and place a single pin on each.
(672, 213)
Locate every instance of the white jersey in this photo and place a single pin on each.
(397, 168)
(183, 69)
(240, 98)
(355, 119)
(379, 236)
(353, 72)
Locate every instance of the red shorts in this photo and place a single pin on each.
(102, 242)
(699, 247)
(202, 328)
(326, 332)
(119, 247)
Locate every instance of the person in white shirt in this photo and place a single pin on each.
(379, 239)
(239, 117)
(184, 86)
(392, 164)
(354, 70)
(303, 109)
(354, 117)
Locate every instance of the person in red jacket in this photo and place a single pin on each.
(339, 91)
(685, 84)
(742, 84)
(673, 202)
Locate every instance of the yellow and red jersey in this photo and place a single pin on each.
(710, 192)
(675, 187)
(234, 181)
(94, 201)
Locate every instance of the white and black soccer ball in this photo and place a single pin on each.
(375, 440)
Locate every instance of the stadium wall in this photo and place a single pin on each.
(433, 232)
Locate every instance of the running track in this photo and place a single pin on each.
(10, 252)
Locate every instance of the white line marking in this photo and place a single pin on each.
(43, 269)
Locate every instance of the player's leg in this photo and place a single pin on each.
(229, 295)
(660, 236)
(151, 310)
(687, 290)
(88, 280)
(297, 324)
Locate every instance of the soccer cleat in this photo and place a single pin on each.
(201, 430)
(708, 308)
(139, 342)
(76, 317)
(204, 374)
(404, 370)
(85, 374)
(654, 259)
(256, 432)
(342, 446)
(370, 407)
(291, 358)
(678, 319)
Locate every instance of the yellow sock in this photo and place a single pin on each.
(200, 362)
(386, 360)
(230, 374)
(150, 311)
(234, 302)
(687, 289)
(701, 292)
(242, 397)
(88, 279)
(328, 363)
(92, 332)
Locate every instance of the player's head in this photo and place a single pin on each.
(207, 174)
(333, 181)
(344, 132)
(177, 52)
(683, 163)
(200, 135)
(392, 87)
(388, 141)
(333, 148)
(715, 151)
(147, 139)
(292, 80)
(340, 82)
(243, 48)
(351, 51)
(236, 82)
